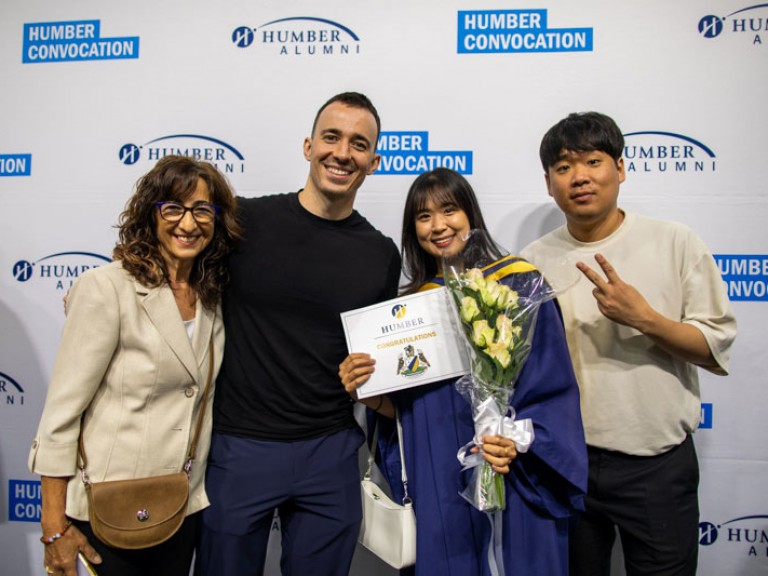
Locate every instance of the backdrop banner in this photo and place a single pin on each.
(95, 93)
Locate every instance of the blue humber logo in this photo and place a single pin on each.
(712, 26)
(225, 157)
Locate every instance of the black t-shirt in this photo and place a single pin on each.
(290, 278)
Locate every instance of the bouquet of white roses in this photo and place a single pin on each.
(498, 323)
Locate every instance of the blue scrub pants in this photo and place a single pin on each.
(315, 485)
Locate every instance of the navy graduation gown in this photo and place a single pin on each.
(545, 486)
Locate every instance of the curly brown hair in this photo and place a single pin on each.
(176, 178)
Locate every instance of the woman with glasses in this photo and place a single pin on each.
(133, 363)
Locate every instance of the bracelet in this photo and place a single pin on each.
(381, 401)
(51, 539)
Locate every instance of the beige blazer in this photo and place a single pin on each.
(127, 368)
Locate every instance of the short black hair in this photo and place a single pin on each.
(354, 100)
(581, 132)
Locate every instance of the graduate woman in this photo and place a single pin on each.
(545, 485)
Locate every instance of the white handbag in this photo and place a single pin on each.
(388, 529)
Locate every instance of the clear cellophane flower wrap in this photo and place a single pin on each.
(498, 324)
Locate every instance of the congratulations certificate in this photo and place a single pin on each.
(414, 339)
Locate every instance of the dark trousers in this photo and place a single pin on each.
(315, 485)
(171, 558)
(653, 500)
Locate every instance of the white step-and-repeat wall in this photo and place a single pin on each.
(94, 92)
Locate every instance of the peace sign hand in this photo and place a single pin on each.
(617, 300)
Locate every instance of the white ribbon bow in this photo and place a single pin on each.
(488, 421)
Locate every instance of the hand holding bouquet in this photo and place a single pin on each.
(497, 302)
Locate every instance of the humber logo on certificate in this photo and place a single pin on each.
(414, 339)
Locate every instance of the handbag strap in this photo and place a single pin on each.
(201, 414)
(195, 435)
(372, 454)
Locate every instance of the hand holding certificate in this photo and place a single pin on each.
(414, 340)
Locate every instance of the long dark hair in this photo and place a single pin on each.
(176, 178)
(442, 186)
